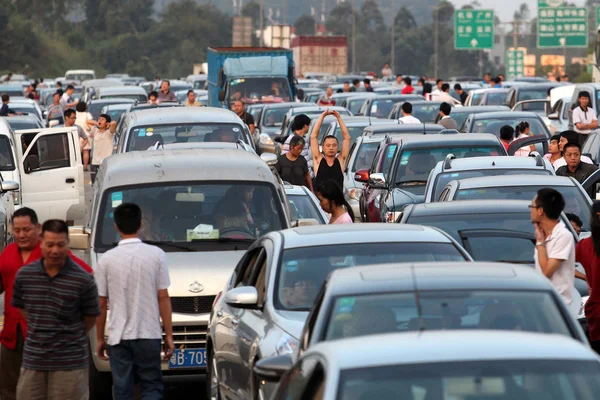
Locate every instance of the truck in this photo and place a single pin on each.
(251, 74)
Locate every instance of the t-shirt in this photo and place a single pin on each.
(583, 116)
(343, 219)
(409, 119)
(80, 132)
(247, 118)
(102, 144)
(293, 172)
(65, 100)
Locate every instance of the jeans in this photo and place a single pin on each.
(136, 361)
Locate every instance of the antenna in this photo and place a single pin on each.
(417, 298)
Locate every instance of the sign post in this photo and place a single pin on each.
(473, 29)
(515, 63)
(561, 26)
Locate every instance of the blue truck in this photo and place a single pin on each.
(251, 74)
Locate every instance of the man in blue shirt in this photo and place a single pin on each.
(5, 111)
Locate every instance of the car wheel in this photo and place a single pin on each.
(212, 379)
(100, 383)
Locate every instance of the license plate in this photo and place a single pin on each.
(188, 358)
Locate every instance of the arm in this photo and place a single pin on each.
(314, 141)
(581, 276)
(113, 127)
(347, 139)
(309, 182)
(549, 265)
(100, 326)
(164, 305)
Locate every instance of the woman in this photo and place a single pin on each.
(427, 90)
(85, 121)
(332, 201)
(587, 253)
(522, 131)
(553, 149)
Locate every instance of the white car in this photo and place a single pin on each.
(304, 204)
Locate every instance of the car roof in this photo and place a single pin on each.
(399, 277)
(364, 122)
(174, 115)
(420, 347)
(491, 90)
(479, 109)
(119, 106)
(470, 207)
(138, 167)
(506, 115)
(394, 126)
(121, 90)
(466, 139)
(312, 236)
(490, 162)
(538, 85)
(123, 100)
(295, 190)
(516, 180)
(26, 117)
(396, 96)
(288, 105)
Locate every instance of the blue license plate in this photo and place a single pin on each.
(188, 358)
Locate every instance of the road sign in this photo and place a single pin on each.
(597, 16)
(515, 63)
(473, 29)
(562, 26)
(550, 3)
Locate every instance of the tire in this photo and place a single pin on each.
(100, 383)
(213, 391)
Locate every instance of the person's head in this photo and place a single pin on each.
(329, 91)
(81, 107)
(55, 243)
(567, 137)
(575, 221)
(421, 82)
(56, 98)
(301, 124)
(399, 78)
(297, 145)
(104, 121)
(445, 108)
(427, 88)
(408, 81)
(507, 133)
(547, 205)
(487, 77)
(238, 107)
(5, 98)
(25, 228)
(70, 117)
(386, 65)
(191, 96)
(165, 86)
(153, 95)
(60, 92)
(584, 98)
(501, 77)
(330, 146)
(331, 196)
(406, 108)
(565, 78)
(300, 94)
(522, 128)
(128, 219)
(70, 89)
(553, 147)
(346, 86)
(445, 87)
(367, 83)
(497, 81)
(439, 83)
(572, 154)
(59, 84)
(557, 78)
(31, 96)
(225, 135)
(457, 88)
(356, 83)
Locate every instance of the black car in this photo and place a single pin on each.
(534, 91)
(381, 105)
(460, 114)
(423, 110)
(397, 128)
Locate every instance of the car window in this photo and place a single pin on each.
(354, 131)
(495, 99)
(259, 276)
(381, 108)
(426, 113)
(273, 116)
(532, 94)
(7, 163)
(294, 383)
(48, 152)
(388, 157)
(303, 270)
(364, 157)
(500, 248)
(303, 207)
(493, 125)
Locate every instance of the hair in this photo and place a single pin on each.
(407, 107)
(487, 73)
(521, 127)
(507, 132)
(5, 98)
(328, 137)
(60, 91)
(555, 137)
(55, 226)
(25, 212)
(333, 192)
(128, 218)
(153, 93)
(69, 112)
(574, 218)
(355, 82)
(551, 201)
(445, 108)
(297, 141)
(340, 91)
(56, 94)
(571, 136)
(367, 81)
(457, 86)
(58, 84)
(69, 87)
(346, 83)
(190, 91)
(438, 81)
(31, 96)
(497, 80)
(421, 81)
(595, 226)
(167, 81)
(584, 93)
(106, 117)
(408, 80)
(571, 144)
(445, 87)
(300, 121)
(426, 88)
(300, 94)
(81, 107)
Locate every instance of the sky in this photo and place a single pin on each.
(505, 8)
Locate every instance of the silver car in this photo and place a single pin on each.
(263, 307)
(304, 205)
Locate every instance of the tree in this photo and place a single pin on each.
(252, 10)
(445, 12)
(371, 19)
(404, 20)
(305, 25)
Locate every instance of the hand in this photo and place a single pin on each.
(540, 235)
(113, 123)
(102, 350)
(169, 347)
(335, 113)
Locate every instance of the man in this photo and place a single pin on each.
(407, 118)
(421, 82)
(408, 88)
(507, 135)
(444, 94)
(568, 137)
(438, 86)
(367, 84)
(300, 95)
(239, 107)
(554, 247)
(575, 168)
(102, 142)
(191, 100)
(446, 121)
(355, 86)
(300, 127)
(165, 93)
(59, 301)
(576, 222)
(329, 164)
(346, 87)
(496, 83)
(487, 80)
(584, 117)
(399, 82)
(54, 111)
(70, 117)
(134, 274)
(565, 78)
(327, 100)
(66, 101)
(58, 86)
(24, 250)
(292, 166)
(5, 111)
(463, 95)
(386, 70)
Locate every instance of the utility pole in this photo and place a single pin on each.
(285, 12)
(393, 52)
(435, 42)
(515, 34)
(261, 8)
(354, 67)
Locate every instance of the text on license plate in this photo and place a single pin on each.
(188, 358)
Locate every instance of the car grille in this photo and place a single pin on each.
(189, 336)
(192, 305)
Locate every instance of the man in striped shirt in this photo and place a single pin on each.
(60, 303)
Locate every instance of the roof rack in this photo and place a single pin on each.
(448, 161)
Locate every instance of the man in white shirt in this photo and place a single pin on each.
(407, 117)
(555, 246)
(102, 142)
(568, 137)
(135, 278)
(66, 101)
(584, 117)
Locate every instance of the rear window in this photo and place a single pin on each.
(532, 94)
(495, 99)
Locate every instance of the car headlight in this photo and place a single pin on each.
(286, 345)
(265, 139)
(581, 313)
(16, 197)
(355, 193)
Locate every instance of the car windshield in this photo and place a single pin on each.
(12, 92)
(273, 116)
(354, 131)
(79, 77)
(355, 105)
(493, 125)
(361, 315)
(460, 116)
(444, 178)
(476, 98)
(115, 115)
(532, 94)
(194, 216)
(426, 112)
(576, 201)
(303, 270)
(382, 108)
(257, 90)
(495, 99)
(23, 124)
(364, 157)
(23, 108)
(538, 107)
(138, 97)
(95, 108)
(7, 163)
(514, 379)
(303, 207)
(144, 137)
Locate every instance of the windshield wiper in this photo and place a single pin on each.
(411, 182)
(225, 240)
(173, 245)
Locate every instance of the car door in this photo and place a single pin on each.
(51, 171)
(296, 383)
(383, 166)
(590, 185)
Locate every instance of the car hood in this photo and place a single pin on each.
(272, 131)
(292, 322)
(399, 198)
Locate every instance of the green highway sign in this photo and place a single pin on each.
(515, 63)
(550, 3)
(597, 16)
(473, 29)
(562, 26)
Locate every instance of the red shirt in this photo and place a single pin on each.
(506, 145)
(584, 253)
(10, 263)
(326, 101)
(408, 89)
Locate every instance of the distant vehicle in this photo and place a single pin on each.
(424, 110)
(355, 125)
(491, 122)
(146, 106)
(14, 78)
(26, 106)
(559, 115)
(381, 105)
(128, 92)
(199, 81)
(460, 114)
(91, 86)
(116, 76)
(182, 94)
(21, 122)
(311, 111)
(591, 147)
(116, 110)
(532, 91)
(13, 90)
(80, 75)
(271, 116)
(486, 97)
(95, 107)
(399, 128)
(355, 102)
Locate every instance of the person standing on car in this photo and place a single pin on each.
(59, 301)
(102, 142)
(239, 107)
(292, 166)
(555, 246)
(584, 117)
(134, 275)
(328, 165)
(446, 121)
(165, 93)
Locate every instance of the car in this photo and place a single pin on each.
(143, 129)
(528, 91)
(559, 115)
(26, 106)
(592, 88)
(176, 85)
(80, 75)
(95, 107)
(198, 81)
(147, 106)
(262, 309)
(460, 114)
(116, 110)
(591, 147)
(467, 365)
(312, 95)
(20, 122)
(304, 205)
(128, 92)
(89, 87)
(311, 111)
(355, 102)
(463, 168)
(399, 128)
(412, 159)
(355, 125)
(271, 116)
(486, 97)
(424, 110)
(348, 119)
(13, 90)
(185, 195)
(381, 105)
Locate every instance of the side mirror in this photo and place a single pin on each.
(9, 186)
(221, 95)
(271, 369)
(305, 222)
(242, 297)
(79, 238)
(53, 123)
(553, 115)
(377, 179)
(269, 158)
(362, 175)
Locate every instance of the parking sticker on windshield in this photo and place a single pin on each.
(235, 129)
(345, 305)
(116, 199)
(291, 266)
(142, 132)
